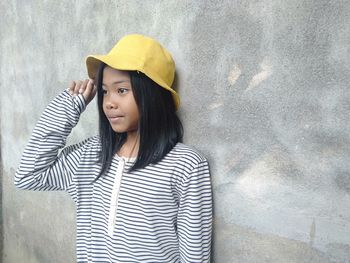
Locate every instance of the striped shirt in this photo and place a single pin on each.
(161, 213)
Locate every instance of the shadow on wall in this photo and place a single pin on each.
(246, 244)
(275, 142)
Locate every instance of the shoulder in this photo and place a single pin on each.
(185, 156)
(187, 163)
(187, 151)
(91, 144)
(94, 141)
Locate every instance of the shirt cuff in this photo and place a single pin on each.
(78, 101)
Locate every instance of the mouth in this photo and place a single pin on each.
(115, 118)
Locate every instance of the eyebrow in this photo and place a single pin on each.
(117, 82)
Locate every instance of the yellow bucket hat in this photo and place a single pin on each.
(139, 53)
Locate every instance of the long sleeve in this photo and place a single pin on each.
(194, 220)
(41, 167)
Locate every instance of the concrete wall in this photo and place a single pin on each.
(265, 96)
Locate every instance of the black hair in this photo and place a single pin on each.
(160, 129)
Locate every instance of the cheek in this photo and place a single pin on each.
(137, 116)
(136, 112)
(133, 108)
(104, 107)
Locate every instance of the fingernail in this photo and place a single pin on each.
(80, 91)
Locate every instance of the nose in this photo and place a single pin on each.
(109, 103)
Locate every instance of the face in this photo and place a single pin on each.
(119, 104)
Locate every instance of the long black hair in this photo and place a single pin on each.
(160, 129)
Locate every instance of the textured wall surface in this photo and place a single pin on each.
(265, 96)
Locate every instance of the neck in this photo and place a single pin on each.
(130, 148)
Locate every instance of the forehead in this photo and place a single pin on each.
(111, 75)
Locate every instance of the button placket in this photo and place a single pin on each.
(115, 197)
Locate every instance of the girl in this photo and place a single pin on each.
(141, 195)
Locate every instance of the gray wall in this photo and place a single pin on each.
(265, 96)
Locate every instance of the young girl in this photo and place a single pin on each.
(141, 195)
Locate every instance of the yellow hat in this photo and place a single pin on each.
(141, 53)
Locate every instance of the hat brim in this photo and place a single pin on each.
(123, 63)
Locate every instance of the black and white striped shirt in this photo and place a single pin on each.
(161, 213)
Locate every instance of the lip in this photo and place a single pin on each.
(114, 118)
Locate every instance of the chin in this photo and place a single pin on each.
(118, 130)
(123, 129)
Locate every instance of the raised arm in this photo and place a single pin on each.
(41, 167)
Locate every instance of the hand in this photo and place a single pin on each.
(87, 88)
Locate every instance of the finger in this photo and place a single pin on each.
(71, 87)
(77, 87)
(94, 91)
(88, 93)
(83, 86)
(89, 87)
(93, 88)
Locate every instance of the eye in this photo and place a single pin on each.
(104, 92)
(122, 90)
